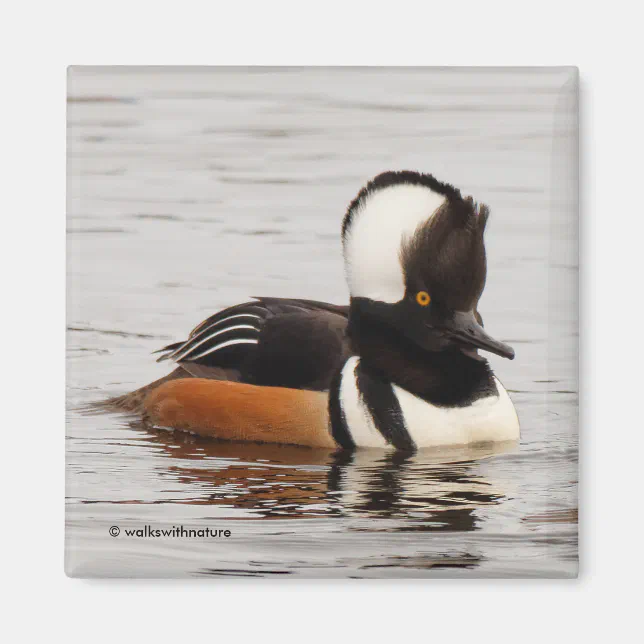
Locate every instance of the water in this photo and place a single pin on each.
(192, 189)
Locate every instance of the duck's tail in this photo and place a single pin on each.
(132, 402)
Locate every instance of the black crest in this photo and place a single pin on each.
(446, 256)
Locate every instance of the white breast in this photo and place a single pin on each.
(486, 420)
(491, 419)
(359, 420)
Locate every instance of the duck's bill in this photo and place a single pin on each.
(470, 335)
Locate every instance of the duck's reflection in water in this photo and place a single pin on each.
(444, 495)
(438, 490)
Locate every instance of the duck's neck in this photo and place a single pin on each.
(446, 378)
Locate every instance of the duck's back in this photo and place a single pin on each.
(272, 342)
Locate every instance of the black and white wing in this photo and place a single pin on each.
(222, 340)
(229, 339)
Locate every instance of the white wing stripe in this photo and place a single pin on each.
(213, 325)
(203, 327)
(189, 347)
(224, 344)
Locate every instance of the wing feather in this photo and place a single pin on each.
(227, 338)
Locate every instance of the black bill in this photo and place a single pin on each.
(465, 330)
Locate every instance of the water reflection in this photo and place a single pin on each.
(439, 490)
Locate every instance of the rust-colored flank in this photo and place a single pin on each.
(241, 412)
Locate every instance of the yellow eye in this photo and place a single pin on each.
(422, 297)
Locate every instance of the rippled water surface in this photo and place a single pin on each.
(193, 189)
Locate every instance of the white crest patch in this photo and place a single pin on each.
(378, 228)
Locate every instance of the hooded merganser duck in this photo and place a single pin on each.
(397, 368)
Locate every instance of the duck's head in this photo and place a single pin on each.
(415, 261)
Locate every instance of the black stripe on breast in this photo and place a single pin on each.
(380, 399)
(339, 428)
